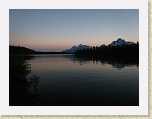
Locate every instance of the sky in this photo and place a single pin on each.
(60, 29)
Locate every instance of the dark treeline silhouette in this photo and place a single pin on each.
(21, 79)
(18, 50)
(111, 50)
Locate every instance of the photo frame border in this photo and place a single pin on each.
(107, 116)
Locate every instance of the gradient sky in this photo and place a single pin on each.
(60, 29)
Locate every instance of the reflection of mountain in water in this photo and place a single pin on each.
(116, 61)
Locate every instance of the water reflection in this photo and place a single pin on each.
(76, 80)
(20, 81)
(118, 62)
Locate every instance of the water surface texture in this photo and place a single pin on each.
(69, 80)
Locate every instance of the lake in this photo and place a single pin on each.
(69, 80)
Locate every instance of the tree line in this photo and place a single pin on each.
(111, 50)
(18, 50)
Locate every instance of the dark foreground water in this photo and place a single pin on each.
(68, 80)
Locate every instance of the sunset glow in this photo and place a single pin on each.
(60, 29)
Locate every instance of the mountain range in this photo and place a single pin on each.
(75, 48)
(121, 42)
(118, 42)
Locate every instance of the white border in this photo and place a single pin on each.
(142, 109)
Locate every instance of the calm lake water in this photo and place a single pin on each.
(68, 80)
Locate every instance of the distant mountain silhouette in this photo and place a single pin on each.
(75, 48)
(117, 43)
(118, 47)
(121, 42)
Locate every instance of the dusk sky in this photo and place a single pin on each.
(60, 29)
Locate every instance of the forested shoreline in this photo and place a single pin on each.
(102, 50)
(111, 50)
(18, 50)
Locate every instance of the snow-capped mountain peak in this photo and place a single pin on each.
(79, 45)
(118, 42)
(75, 48)
(121, 42)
